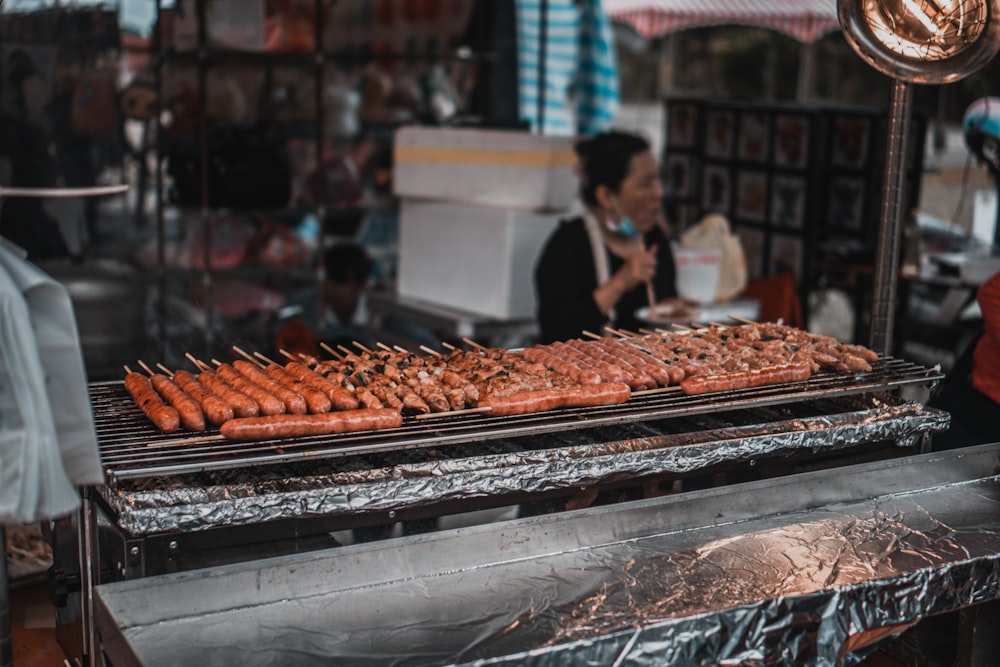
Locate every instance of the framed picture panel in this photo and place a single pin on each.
(751, 196)
(754, 140)
(788, 201)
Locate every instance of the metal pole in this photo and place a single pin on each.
(890, 223)
(6, 648)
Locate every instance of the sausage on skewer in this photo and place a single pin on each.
(216, 410)
(191, 415)
(294, 402)
(341, 398)
(294, 426)
(242, 405)
(269, 403)
(163, 416)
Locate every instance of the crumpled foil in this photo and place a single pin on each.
(649, 448)
(634, 584)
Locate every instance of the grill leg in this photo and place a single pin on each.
(87, 534)
(6, 649)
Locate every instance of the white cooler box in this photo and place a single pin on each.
(486, 167)
(471, 258)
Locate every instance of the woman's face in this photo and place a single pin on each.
(641, 195)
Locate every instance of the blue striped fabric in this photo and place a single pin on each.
(597, 77)
(581, 76)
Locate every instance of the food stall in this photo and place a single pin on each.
(793, 522)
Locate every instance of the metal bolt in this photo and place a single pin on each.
(392, 514)
(173, 545)
(134, 552)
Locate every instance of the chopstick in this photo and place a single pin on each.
(650, 292)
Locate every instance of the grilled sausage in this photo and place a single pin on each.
(342, 398)
(526, 402)
(703, 384)
(294, 403)
(241, 404)
(295, 426)
(216, 410)
(165, 417)
(191, 415)
(269, 403)
(316, 401)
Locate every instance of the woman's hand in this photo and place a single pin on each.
(638, 269)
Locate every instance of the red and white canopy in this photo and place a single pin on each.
(805, 20)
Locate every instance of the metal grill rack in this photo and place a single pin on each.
(132, 448)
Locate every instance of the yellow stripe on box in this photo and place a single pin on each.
(438, 155)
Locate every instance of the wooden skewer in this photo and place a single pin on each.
(216, 361)
(260, 356)
(681, 327)
(741, 320)
(198, 363)
(166, 370)
(187, 441)
(430, 351)
(593, 335)
(146, 368)
(449, 413)
(621, 333)
(361, 347)
(647, 332)
(448, 346)
(397, 348)
(249, 357)
(650, 292)
(333, 353)
(474, 344)
(383, 346)
(658, 390)
(287, 354)
(127, 369)
(345, 350)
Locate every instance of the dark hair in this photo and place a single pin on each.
(604, 160)
(347, 263)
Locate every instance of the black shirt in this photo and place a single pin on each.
(565, 279)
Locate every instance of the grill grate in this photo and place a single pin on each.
(132, 448)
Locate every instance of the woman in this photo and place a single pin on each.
(596, 270)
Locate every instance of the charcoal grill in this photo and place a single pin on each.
(184, 501)
(131, 448)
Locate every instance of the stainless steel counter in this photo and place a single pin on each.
(782, 571)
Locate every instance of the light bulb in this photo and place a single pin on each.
(926, 29)
(923, 41)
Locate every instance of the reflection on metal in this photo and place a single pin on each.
(784, 571)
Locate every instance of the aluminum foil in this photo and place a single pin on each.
(728, 577)
(175, 506)
(783, 595)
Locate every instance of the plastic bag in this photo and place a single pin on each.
(713, 231)
(40, 354)
(33, 481)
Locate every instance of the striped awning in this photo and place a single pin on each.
(805, 20)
